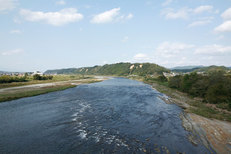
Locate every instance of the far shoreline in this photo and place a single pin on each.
(13, 93)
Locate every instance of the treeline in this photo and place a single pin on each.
(9, 79)
(214, 88)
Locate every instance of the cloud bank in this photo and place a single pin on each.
(62, 17)
(110, 16)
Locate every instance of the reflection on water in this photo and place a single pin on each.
(114, 116)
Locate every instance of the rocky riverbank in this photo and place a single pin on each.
(213, 133)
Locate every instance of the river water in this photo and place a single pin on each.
(114, 116)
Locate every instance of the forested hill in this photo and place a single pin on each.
(115, 69)
(213, 68)
(205, 69)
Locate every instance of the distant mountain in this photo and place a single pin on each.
(185, 69)
(212, 69)
(114, 69)
(206, 69)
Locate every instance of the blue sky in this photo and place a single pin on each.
(41, 35)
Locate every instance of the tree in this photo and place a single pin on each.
(174, 82)
(162, 78)
(217, 93)
(37, 77)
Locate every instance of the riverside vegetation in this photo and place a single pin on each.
(7, 81)
(46, 84)
(208, 95)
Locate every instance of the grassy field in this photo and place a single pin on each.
(56, 78)
(56, 85)
(28, 93)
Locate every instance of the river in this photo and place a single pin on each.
(114, 116)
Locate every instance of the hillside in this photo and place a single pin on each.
(186, 67)
(212, 68)
(114, 69)
(206, 69)
(185, 70)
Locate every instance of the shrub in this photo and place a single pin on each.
(9, 79)
(39, 77)
(162, 78)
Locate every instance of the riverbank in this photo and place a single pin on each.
(213, 127)
(12, 93)
(56, 78)
(212, 124)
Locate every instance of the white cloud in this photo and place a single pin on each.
(59, 18)
(17, 20)
(12, 52)
(7, 5)
(112, 15)
(61, 2)
(129, 16)
(171, 54)
(213, 49)
(220, 37)
(15, 31)
(217, 11)
(140, 56)
(224, 27)
(203, 8)
(185, 13)
(169, 49)
(172, 14)
(227, 14)
(167, 2)
(125, 39)
(201, 22)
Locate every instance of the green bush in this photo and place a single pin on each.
(162, 78)
(44, 77)
(213, 88)
(174, 82)
(9, 79)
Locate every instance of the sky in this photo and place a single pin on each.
(54, 34)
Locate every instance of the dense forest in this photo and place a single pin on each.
(119, 69)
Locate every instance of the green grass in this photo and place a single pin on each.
(56, 78)
(17, 95)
